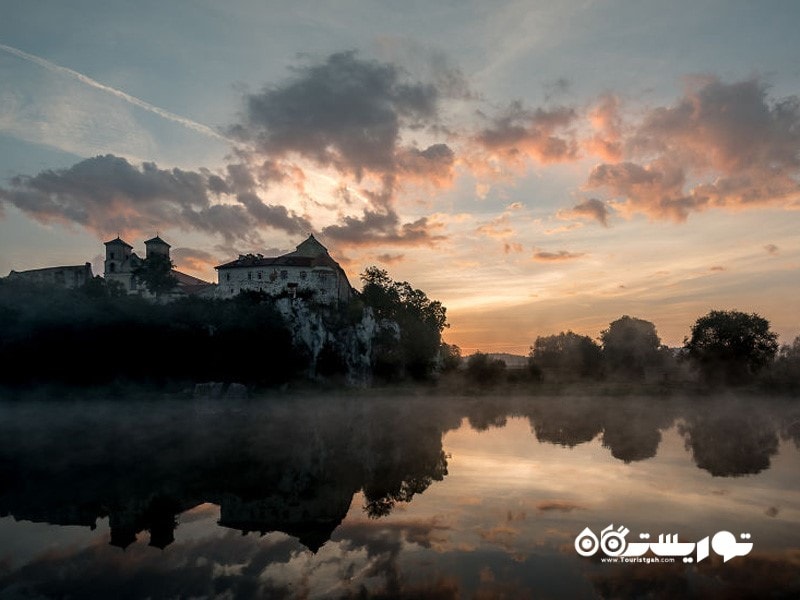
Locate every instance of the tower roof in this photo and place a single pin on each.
(156, 240)
(119, 242)
(310, 247)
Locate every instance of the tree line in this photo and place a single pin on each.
(98, 335)
(725, 347)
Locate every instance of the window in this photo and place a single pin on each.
(111, 256)
(112, 267)
(302, 274)
(284, 274)
(133, 282)
(228, 278)
(249, 275)
(259, 274)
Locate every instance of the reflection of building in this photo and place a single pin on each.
(308, 270)
(122, 262)
(311, 520)
(66, 277)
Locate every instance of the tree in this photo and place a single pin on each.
(156, 273)
(630, 345)
(420, 319)
(567, 354)
(731, 346)
(449, 357)
(483, 370)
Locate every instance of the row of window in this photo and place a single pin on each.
(274, 275)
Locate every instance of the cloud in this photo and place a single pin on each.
(193, 125)
(192, 259)
(498, 228)
(390, 259)
(382, 228)
(108, 195)
(541, 134)
(559, 256)
(588, 209)
(772, 249)
(722, 145)
(606, 120)
(345, 112)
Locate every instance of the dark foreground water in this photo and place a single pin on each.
(401, 497)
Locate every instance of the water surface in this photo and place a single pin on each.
(393, 497)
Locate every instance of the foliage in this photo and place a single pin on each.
(785, 371)
(483, 370)
(91, 336)
(449, 357)
(731, 346)
(155, 272)
(630, 345)
(420, 321)
(567, 355)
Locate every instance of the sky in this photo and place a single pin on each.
(537, 167)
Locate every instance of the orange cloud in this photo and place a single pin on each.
(607, 123)
(720, 145)
(541, 135)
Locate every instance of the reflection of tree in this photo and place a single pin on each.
(401, 461)
(633, 431)
(486, 413)
(733, 444)
(566, 424)
(288, 468)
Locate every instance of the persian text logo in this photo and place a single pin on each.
(613, 543)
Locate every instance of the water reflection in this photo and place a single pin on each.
(347, 493)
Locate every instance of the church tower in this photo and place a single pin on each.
(117, 254)
(155, 246)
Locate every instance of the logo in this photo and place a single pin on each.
(613, 543)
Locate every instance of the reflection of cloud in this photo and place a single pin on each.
(755, 576)
(559, 506)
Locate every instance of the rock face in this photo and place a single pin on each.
(329, 335)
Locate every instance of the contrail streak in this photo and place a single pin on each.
(193, 125)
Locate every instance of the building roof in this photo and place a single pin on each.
(118, 241)
(83, 267)
(310, 253)
(156, 240)
(184, 279)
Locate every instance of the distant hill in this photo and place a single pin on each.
(513, 361)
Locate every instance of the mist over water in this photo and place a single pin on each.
(391, 496)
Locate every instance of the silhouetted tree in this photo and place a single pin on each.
(483, 370)
(567, 355)
(420, 319)
(731, 346)
(155, 272)
(785, 372)
(449, 357)
(630, 345)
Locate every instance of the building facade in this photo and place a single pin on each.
(121, 263)
(69, 277)
(309, 271)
